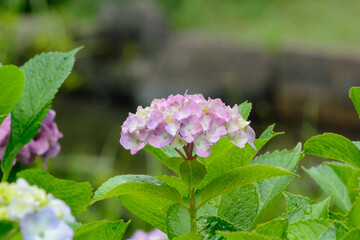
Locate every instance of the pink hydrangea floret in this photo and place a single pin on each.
(155, 234)
(185, 121)
(45, 143)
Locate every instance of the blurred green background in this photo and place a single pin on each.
(295, 60)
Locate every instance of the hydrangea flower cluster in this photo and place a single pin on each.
(155, 234)
(185, 121)
(45, 144)
(40, 215)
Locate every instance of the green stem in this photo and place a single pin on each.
(192, 211)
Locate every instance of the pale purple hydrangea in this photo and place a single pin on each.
(185, 121)
(45, 225)
(155, 234)
(45, 143)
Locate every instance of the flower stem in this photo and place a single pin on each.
(192, 211)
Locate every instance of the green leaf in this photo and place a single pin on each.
(176, 225)
(167, 155)
(349, 177)
(226, 156)
(330, 183)
(240, 206)
(44, 74)
(336, 231)
(244, 236)
(353, 216)
(76, 195)
(244, 109)
(104, 230)
(353, 234)
(245, 206)
(334, 146)
(309, 211)
(75, 225)
(357, 144)
(151, 209)
(189, 236)
(308, 230)
(271, 189)
(275, 228)
(136, 184)
(192, 172)
(336, 216)
(209, 225)
(354, 94)
(6, 227)
(11, 87)
(239, 177)
(296, 201)
(177, 183)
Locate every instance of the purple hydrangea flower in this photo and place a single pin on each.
(155, 234)
(185, 121)
(45, 225)
(45, 143)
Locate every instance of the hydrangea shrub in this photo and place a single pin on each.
(38, 205)
(220, 187)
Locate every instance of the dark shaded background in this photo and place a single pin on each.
(294, 60)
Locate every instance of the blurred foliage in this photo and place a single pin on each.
(332, 23)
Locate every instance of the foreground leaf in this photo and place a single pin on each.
(104, 230)
(189, 236)
(349, 177)
(239, 177)
(354, 94)
(226, 156)
(275, 228)
(192, 172)
(330, 183)
(244, 109)
(76, 195)
(151, 209)
(271, 189)
(11, 86)
(6, 227)
(353, 234)
(240, 206)
(334, 146)
(44, 74)
(136, 184)
(353, 216)
(167, 155)
(294, 202)
(209, 225)
(309, 211)
(308, 230)
(176, 225)
(244, 236)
